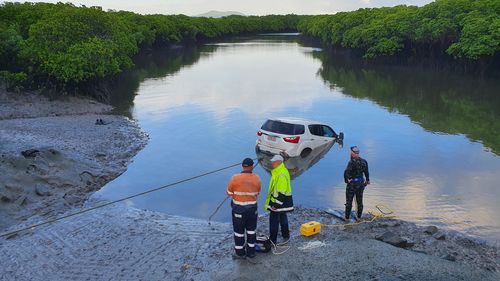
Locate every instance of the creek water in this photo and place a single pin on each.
(431, 138)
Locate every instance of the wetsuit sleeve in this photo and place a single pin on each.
(367, 173)
(347, 172)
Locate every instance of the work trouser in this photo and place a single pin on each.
(354, 189)
(277, 219)
(245, 221)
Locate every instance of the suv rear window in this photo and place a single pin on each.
(283, 128)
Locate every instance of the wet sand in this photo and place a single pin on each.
(123, 243)
(53, 155)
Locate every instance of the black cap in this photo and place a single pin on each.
(247, 162)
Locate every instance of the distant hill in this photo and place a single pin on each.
(219, 14)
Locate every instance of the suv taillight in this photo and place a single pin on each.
(292, 139)
(259, 133)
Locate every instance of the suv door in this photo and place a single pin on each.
(321, 134)
(316, 135)
(329, 132)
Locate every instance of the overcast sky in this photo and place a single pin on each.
(247, 7)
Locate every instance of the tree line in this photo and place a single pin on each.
(463, 29)
(63, 45)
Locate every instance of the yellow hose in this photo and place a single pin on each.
(383, 214)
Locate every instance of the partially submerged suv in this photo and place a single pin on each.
(292, 137)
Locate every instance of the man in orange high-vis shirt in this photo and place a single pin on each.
(244, 188)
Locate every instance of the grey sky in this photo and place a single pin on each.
(248, 7)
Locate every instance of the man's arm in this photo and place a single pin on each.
(347, 172)
(230, 188)
(367, 173)
(279, 196)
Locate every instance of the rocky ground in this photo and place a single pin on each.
(52, 153)
(122, 243)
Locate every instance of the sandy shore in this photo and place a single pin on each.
(123, 243)
(53, 155)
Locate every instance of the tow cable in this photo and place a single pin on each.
(227, 197)
(10, 234)
(217, 209)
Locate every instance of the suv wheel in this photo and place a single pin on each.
(305, 152)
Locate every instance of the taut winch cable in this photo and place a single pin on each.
(33, 226)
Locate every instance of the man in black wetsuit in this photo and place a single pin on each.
(353, 177)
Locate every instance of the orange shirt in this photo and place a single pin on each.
(244, 188)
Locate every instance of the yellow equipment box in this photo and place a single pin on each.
(310, 228)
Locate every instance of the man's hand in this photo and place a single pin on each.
(349, 180)
(367, 183)
(273, 209)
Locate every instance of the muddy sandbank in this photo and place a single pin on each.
(120, 242)
(53, 155)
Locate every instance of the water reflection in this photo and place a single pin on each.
(296, 165)
(202, 108)
(151, 64)
(203, 116)
(224, 84)
(439, 101)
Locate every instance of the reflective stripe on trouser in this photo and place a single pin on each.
(277, 219)
(245, 222)
(351, 191)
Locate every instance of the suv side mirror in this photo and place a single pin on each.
(340, 139)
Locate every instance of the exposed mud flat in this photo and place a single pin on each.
(113, 243)
(30, 105)
(123, 243)
(51, 161)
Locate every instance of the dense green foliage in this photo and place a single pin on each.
(462, 28)
(64, 45)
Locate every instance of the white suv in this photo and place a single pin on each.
(292, 137)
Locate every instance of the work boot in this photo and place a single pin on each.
(349, 220)
(358, 218)
(284, 242)
(238, 257)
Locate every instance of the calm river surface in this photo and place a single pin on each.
(432, 139)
